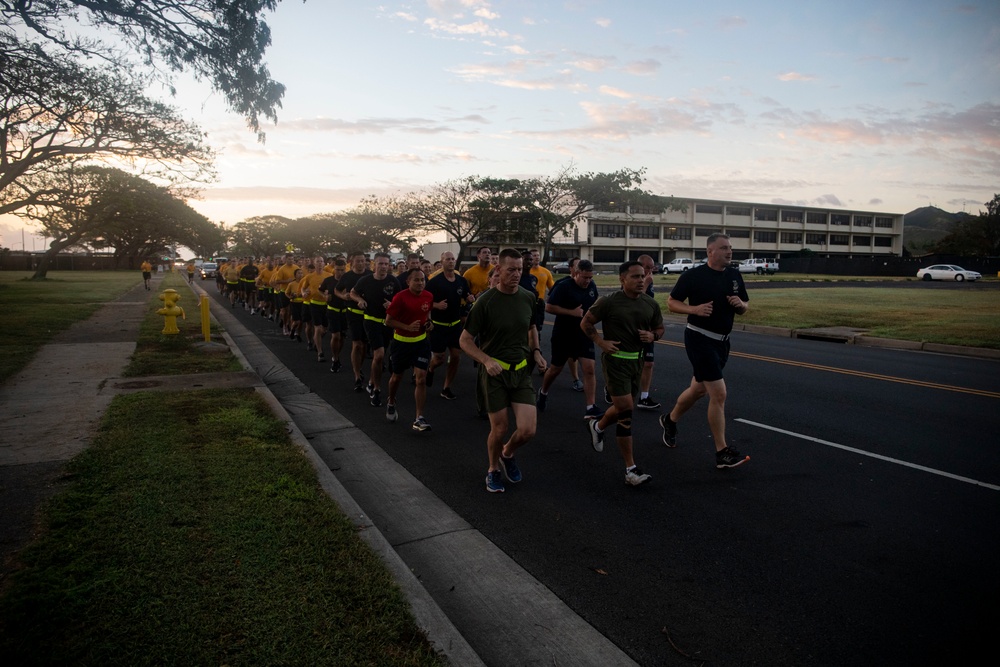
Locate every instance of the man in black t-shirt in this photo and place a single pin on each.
(715, 293)
(373, 293)
(449, 290)
(354, 314)
(336, 320)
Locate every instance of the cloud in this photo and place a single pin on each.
(516, 49)
(485, 13)
(476, 28)
(603, 22)
(828, 200)
(375, 125)
(884, 59)
(643, 67)
(593, 63)
(729, 22)
(614, 92)
(795, 76)
(405, 16)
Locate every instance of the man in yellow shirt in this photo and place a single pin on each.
(478, 275)
(147, 272)
(544, 284)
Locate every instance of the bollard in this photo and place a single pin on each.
(170, 311)
(206, 325)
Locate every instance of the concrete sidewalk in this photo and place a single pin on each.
(450, 573)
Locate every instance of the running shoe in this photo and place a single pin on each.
(448, 394)
(729, 458)
(390, 412)
(607, 396)
(421, 424)
(647, 404)
(669, 430)
(593, 412)
(596, 437)
(540, 400)
(321, 358)
(253, 311)
(577, 385)
(359, 385)
(636, 477)
(335, 366)
(370, 388)
(429, 379)
(510, 470)
(310, 347)
(494, 482)
(376, 398)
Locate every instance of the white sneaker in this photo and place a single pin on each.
(636, 477)
(596, 437)
(390, 413)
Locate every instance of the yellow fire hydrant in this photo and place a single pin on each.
(170, 311)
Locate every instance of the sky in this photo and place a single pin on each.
(879, 106)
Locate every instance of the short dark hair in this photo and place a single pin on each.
(712, 238)
(623, 269)
(339, 262)
(485, 247)
(573, 261)
(412, 271)
(584, 265)
(511, 253)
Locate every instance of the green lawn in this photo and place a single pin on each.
(193, 532)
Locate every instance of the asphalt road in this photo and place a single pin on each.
(828, 548)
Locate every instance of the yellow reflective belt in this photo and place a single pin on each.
(626, 355)
(374, 319)
(317, 303)
(356, 311)
(336, 310)
(446, 324)
(409, 339)
(504, 365)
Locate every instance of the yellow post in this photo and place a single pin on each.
(206, 325)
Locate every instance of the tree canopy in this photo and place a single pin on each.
(977, 236)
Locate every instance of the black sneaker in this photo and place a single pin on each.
(321, 358)
(335, 366)
(429, 379)
(540, 400)
(421, 424)
(448, 394)
(370, 388)
(390, 412)
(729, 458)
(359, 386)
(310, 347)
(607, 396)
(647, 404)
(669, 430)
(376, 398)
(636, 477)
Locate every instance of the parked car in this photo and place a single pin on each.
(208, 270)
(947, 272)
(759, 265)
(679, 265)
(561, 267)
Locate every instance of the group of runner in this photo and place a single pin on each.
(425, 316)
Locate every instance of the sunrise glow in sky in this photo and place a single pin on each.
(879, 105)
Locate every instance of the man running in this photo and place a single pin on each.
(336, 308)
(569, 301)
(409, 315)
(715, 293)
(502, 320)
(478, 275)
(373, 293)
(313, 295)
(449, 291)
(147, 272)
(631, 319)
(355, 315)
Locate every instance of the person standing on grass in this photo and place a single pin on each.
(630, 319)
(502, 320)
(715, 294)
(409, 316)
(147, 272)
(449, 291)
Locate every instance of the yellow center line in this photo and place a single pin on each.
(861, 374)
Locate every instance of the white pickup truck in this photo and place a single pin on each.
(679, 265)
(759, 265)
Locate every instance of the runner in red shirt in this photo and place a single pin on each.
(409, 316)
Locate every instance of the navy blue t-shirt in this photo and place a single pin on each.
(703, 284)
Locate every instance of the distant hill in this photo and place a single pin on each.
(923, 227)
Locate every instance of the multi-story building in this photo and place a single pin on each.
(615, 234)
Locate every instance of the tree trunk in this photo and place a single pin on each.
(54, 248)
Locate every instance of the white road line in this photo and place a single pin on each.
(967, 480)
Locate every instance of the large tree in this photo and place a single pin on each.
(217, 40)
(382, 224)
(977, 236)
(259, 236)
(55, 109)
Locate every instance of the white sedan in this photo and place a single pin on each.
(947, 272)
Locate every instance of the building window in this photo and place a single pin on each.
(883, 241)
(765, 214)
(604, 230)
(840, 219)
(765, 237)
(839, 239)
(646, 210)
(862, 240)
(643, 232)
(791, 216)
(863, 221)
(708, 208)
(607, 256)
(791, 237)
(706, 231)
(881, 221)
(738, 233)
(677, 233)
(815, 239)
(743, 211)
(816, 218)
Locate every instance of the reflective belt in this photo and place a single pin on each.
(336, 310)
(380, 320)
(708, 334)
(626, 355)
(356, 311)
(504, 365)
(409, 339)
(446, 324)
(317, 303)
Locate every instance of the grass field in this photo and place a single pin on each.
(193, 532)
(34, 311)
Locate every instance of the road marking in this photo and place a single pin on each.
(861, 374)
(933, 471)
